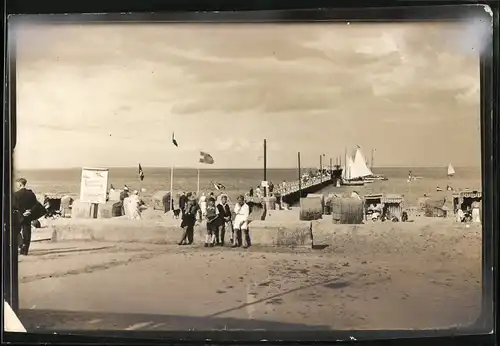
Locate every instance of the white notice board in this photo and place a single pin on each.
(94, 185)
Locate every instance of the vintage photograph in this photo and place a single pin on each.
(319, 176)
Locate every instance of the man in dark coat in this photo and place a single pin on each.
(189, 219)
(23, 201)
(182, 203)
(124, 194)
(224, 221)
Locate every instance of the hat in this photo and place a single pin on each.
(125, 188)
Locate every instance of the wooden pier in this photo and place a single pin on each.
(291, 192)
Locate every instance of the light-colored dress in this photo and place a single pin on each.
(241, 216)
(126, 206)
(203, 206)
(134, 204)
(476, 213)
(459, 215)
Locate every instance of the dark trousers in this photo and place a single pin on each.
(240, 238)
(188, 234)
(187, 225)
(25, 236)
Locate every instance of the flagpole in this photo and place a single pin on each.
(171, 185)
(198, 188)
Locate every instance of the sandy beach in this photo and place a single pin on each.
(381, 276)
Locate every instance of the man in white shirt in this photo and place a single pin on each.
(240, 223)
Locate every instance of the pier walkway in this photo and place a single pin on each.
(291, 192)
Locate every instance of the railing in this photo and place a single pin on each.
(294, 187)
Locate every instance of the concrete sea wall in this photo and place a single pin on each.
(263, 233)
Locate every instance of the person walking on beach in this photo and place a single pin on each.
(24, 206)
(189, 220)
(240, 224)
(250, 192)
(224, 221)
(212, 223)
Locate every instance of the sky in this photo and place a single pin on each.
(106, 95)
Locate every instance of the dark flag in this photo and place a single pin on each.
(141, 173)
(111, 187)
(173, 140)
(206, 158)
(219, 186)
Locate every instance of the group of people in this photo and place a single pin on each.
(471, 213)
(257, 192)
(131, 203)
(218, 217)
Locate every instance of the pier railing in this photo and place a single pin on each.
(294, 187)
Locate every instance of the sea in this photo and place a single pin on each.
(239, 181)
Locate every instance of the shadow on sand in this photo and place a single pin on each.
(48, 321)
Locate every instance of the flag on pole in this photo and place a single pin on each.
(218, 186)
(206, 158)
(174, 142)
(111, 187)
(141, 173)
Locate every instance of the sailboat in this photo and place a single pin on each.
(451, 171)
(350, 174)
(361, 167)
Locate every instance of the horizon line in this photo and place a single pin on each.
(228, 168)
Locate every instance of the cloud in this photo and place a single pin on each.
(225, 88)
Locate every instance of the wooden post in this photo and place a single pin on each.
(198, 186)
(345, 163)
(331, 168)
(265, 166)
(171, 186)
(300, 176)
(95, 209)
(321, 168)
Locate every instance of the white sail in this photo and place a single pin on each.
(451, 170)
(347, 169)
(360, 169)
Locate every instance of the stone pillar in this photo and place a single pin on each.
(270, 202)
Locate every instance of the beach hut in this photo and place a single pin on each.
(66, 203)
(53, 202)
(328, 203)
(161, 200)
(319, 196)
(391, 205)
(311, 208)
(422, 202)
(347, 210)
(372, 199)
(464, 199)
(114, 195)
(435, 208)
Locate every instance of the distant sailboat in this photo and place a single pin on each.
(350, 173)
(451, 170)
